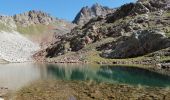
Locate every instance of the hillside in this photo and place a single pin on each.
(41, 27)
(128, 35)
(24, 34)
(14, 47)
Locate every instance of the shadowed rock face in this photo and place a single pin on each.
(87, 13)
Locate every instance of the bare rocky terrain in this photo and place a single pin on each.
(22, 35)
(137, 29)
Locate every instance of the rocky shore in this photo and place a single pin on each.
(63, 90)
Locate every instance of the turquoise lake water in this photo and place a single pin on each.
(16, 76)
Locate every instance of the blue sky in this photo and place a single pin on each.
(64, 9)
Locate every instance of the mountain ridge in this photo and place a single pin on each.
(34, 29)
(143, 26)
(87, 13)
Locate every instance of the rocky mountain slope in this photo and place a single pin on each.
(86, 13)
(41, 27)
(14, 47)
(133, 30)
(33, 17)
(24, 34)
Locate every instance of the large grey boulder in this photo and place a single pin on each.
(140, 43)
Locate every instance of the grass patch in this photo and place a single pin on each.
(167, 34)
(33, 29)
(165, 59)
(93, 56)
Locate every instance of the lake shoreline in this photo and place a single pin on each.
(149, 65)
(92, 77)
(53, 90)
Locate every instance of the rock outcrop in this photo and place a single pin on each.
(87, 13)
(136, 28)
(33, 17)
(15, 47)
(140, 43)
(156, 4)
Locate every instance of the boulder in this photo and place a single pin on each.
(140, 43)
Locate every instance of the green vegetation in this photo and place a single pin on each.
(33, 29)
(168, 34)
(165, 59)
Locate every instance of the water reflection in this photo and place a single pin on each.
(116, 74)
(134, 76)
(15, 76)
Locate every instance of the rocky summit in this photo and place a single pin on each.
(86, 13)
(33, 17)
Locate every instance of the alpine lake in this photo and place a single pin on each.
(26, 76)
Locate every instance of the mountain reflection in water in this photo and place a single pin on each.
(16, 76)
(109, 74)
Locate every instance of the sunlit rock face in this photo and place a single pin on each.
(87, 13)
(33, 17)
(140, 43)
